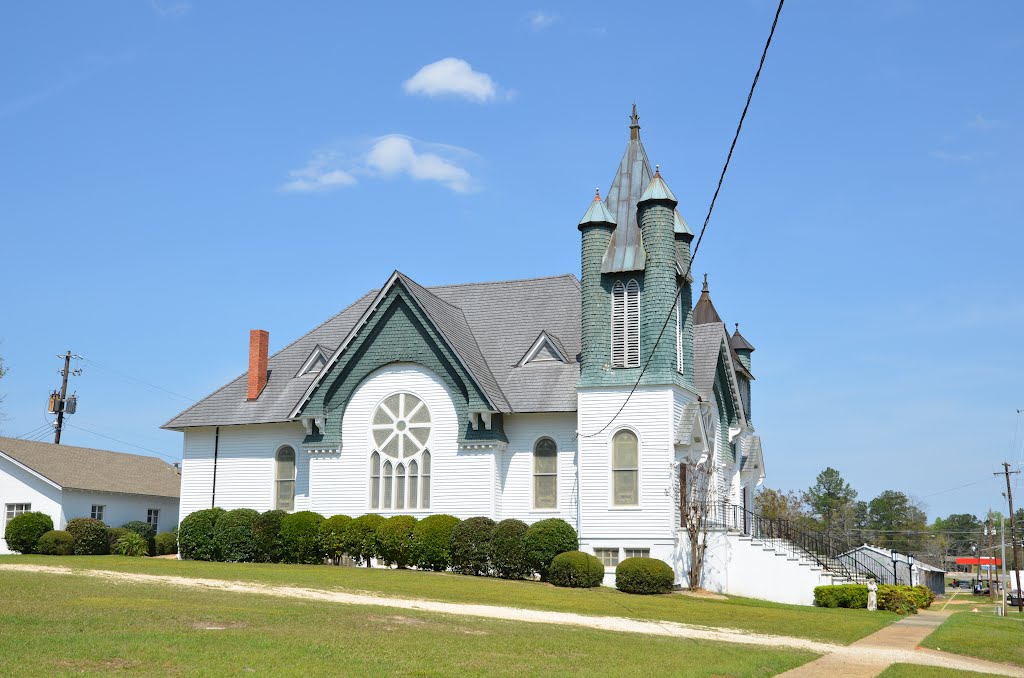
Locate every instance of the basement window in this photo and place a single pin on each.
(609, 557)
(637, 553)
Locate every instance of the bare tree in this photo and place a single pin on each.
(695, 503)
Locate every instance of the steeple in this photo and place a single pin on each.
(704, 312)
(742, 347)
(626, 250)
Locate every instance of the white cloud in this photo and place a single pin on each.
(540, 20)
(387, 157)
(166, 10)
(452, 76)
(962, 156)
(981, 122)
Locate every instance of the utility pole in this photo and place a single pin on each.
(59, 403)
(1002, 550)
(1013, 534)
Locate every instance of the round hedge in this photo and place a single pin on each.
(300, 537)
(361, 538)
(56, 543)
(195, 535)
(166, 543)
(506, 551)
(431, 541)
(131, 544)
(232, 535)
(576, 569)
(644, 576)
(23, 531)
(115, 533)
(141, 528)
(471, 540)
(90, 536)
(394, 541)
(332, 536)
(546, 539)
(266, 536)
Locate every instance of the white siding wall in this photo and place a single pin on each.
(18, 486)
(121, 508)
(516, 466)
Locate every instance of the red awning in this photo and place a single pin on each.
(979, 561)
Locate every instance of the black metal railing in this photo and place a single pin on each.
(837, 556)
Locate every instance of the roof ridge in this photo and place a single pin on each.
(503, 282)
(22, 441)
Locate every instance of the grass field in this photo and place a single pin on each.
(982, 635)
(57, 625)
(918, 671)
(836, 625)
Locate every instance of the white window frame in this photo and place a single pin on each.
(611, 471)
(278, 479)
(97, 510)
(637, 552)
(12, 511)
(612, 552)
(400, 482)
(153, 518)
(680, 327)
(534, 474)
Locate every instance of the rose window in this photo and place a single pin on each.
(401, 426)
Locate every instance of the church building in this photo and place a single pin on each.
(581, 398)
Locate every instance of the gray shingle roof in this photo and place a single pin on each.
(490, 325)
(83, 468)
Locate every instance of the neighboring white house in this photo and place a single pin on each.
(68, 482)
(578, 398)
(888, 566)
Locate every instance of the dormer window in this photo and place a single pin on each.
(314, 363)
(626, 324)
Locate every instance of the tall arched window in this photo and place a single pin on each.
(375, 480)
(414, 481)
(680, 323)
(387, 484)
(626, 324)
(625, 469)
(284, 479)
(425, 482)
(400, 487)
(545, 474)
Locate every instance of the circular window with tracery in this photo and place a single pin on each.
(401, 426)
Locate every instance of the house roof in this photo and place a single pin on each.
(885, 555)
(489, 325)
(83, 468)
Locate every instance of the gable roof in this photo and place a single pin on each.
(84, 468)
(711, 341)
(493, 324)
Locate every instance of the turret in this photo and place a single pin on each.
(596, 228)
(656, 215)
(742, 347)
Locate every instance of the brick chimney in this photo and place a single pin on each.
(259, 341)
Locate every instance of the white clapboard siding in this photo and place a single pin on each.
(119, 509)
(516, 465)
(19, 486)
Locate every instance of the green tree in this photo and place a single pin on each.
(831, 501)
(961, 532)
(897, 522)
(778, 505)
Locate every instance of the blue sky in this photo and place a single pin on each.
(177, 173)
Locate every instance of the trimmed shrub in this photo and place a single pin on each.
(300, 537)
(361, 538)
(166, 543)
(432, 542)
(141, 528)
(898, 599)
(842, 595)
(506, 551)
(90, 536)
(332, 536)
(56, 543)
(394, 541)
(233, 535)
(576, 569)
(196, 535)
(644, 576)
(471, 541)
(923, 597)
(546, 539)
(23, 532)
(266, 535)
(131, 544)
(115, 533)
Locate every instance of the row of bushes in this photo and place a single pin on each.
(510, 549)
(33, 533)
(899, 599)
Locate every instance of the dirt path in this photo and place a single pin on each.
(883, 648)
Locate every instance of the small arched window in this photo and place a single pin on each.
(387, 484)
(400, 487)
(626, 324)
(414, 499)
(284, 479)
(425, 480)
(545, 474)
(625, 469)
(375, 480)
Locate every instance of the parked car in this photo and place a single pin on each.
(963, 584)
(1013, 598)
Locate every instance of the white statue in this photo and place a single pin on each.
(872, 595)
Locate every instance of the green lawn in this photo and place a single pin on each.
(982, 635)
(55, 625)
(837, 625)
(918, 671)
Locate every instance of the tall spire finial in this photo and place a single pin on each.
(737, 328)
(705, 283)
(597, 195)
(634, 125)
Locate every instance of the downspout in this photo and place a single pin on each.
(579, 498)
(216, 446)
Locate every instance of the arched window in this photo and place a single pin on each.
(387, 484)
(625, 469)
(375, 480)
(400, 487)
(626, 324)
(680, 322)
(545, 474)
(284, 479)
(425, 494)
(414, 480)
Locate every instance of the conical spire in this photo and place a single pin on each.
(739, 342)
(626, 249)
(704, 312)
(597, 213)
(658, 189)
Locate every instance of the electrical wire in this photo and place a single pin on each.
(700, 237)
(127, 377)
(123, 442)
(34, 431)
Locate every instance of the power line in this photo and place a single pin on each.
(123, 442)
(958, 487)
(127, 377)
(36, 430)
(707, 219)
